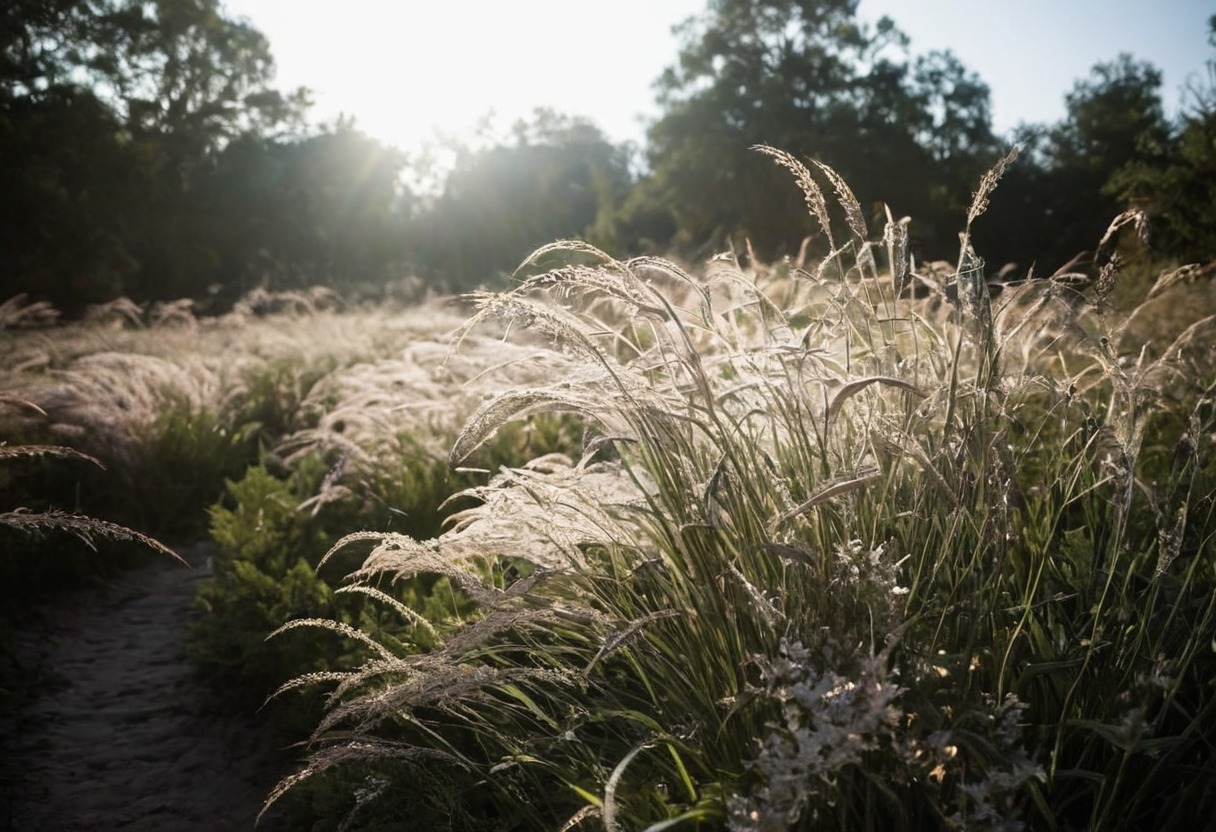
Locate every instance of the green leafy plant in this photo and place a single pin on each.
(272, 529)
(262, 577)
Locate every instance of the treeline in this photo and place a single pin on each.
(144, 151)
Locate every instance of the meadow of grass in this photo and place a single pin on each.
(829, 558)
(628, 546)
(274, 429)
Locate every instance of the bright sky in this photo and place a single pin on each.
(406, 69)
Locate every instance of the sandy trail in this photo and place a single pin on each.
(134, 741)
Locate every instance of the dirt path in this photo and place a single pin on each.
(133, 742)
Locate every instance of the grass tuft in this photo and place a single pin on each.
(831, 558)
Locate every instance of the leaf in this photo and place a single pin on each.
(614, 781)
(834, 489)
(854, 387)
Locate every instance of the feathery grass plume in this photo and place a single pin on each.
(19, 313)
(17, 402)
(970, 282)
(844, 194)
(608, 276)
(1174, 277)
(828, 564)
(369, 749)
(120, 312)
(810, 188)
(14, 451)
(988, 183)
(856, 386)
(135, 397)
(691, 409)
(514, 405)
(173, 313)
(1108, 275)
(1135, 217)
(83, 528)
(895, 237)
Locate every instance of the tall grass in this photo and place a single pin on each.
(831, 558)
(24, 524)
(154, 393)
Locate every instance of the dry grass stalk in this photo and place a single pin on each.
(979, 200)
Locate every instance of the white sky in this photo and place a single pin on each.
(408, 68)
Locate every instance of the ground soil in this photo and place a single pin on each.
(133, 740)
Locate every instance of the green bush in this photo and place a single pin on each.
(270, 544)
(263, 575)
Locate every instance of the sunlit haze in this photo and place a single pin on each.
(411, 71)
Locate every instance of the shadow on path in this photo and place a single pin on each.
(134, 741)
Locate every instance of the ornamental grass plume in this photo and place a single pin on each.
(151, 393)
(830, 558)
(84, 528)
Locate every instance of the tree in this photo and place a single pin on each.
(325, 210)
(1077, 175)
(1178, 187)
(808, 77)
(560, 178)
(111, 111)
(39, 44)
(70, 190)
(176, 68)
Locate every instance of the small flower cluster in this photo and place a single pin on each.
(837, 731)
(828, 724)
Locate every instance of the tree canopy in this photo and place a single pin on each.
(810, 78)
(110, 113)
(558, 179)
(145, 150)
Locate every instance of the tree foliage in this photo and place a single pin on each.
(810, 78)
(111, 111)
(145, 151)
(1177, 183)
(558, 179)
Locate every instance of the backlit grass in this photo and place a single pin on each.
(830, 558)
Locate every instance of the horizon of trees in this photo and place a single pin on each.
(145, 152)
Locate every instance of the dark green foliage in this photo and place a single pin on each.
(264, 574)
(1073, 176)
(146, 153)
(560, 179)
(209, 444)
(323, 210)
(270, 544)
(162, 480)
(812, 79)
(70, 190)
(109, 111)
(1178, 183)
